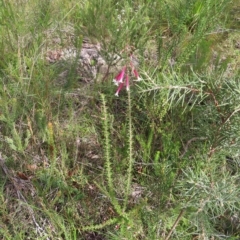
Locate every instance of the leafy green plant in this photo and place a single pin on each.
(110, 192)
(159, 162)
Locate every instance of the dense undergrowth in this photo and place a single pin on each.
(160, 161)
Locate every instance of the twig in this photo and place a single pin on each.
(188, 143)
(175, 224)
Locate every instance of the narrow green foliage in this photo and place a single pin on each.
(113, 200)
(107, 147)
(158, 162)
(130, 153)
(108, 164)
(100, 226)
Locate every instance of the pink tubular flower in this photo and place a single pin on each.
(127, 82)
(120, 86)
(123, 77)
(119, 78)
(135, 73)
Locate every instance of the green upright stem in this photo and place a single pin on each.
(130, 152)
(108, 166)
(107, 147)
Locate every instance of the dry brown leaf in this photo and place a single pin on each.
(22, 176)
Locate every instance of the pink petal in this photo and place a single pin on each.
(119, 78)
(119, 89)
(135, 73)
